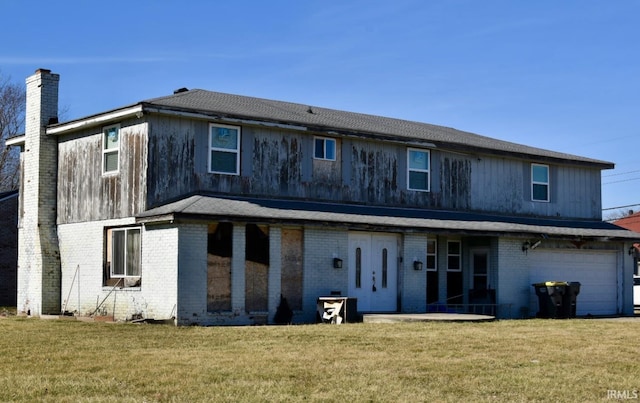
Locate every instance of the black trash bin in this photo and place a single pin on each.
(569, 299)
(550, 299)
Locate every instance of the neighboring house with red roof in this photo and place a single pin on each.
(207, 207)
(630, 222)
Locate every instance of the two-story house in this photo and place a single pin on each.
(208, 207)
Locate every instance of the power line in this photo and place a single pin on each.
(621, 173)
(615, 208)
(622, 180)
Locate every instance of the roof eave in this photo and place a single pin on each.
(462, 148)
(596, 236)
(137, 110)
(17, 141)
(95, 120)
(209, 208)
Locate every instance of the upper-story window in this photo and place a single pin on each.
(539, 182)
(418, 169)
(324, 149)
(224, 149)
(110, 149)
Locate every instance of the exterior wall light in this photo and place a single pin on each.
(417, 265)
(530, 245)
(337, 263)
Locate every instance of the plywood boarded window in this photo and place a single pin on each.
(256, 268)
(219, 250)
(291, 278)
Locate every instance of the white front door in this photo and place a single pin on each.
(373, 271)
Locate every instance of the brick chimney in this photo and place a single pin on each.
(39, 273)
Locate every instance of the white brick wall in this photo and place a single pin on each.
(320, 278)
(82, 250)
(159, 291)
(175, 283)
(513, 278)
(192, 273)
(414, 283)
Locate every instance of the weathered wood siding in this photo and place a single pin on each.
(503, 185)
(373, 173)
(453, 174)
(84, 193)
(279, 163)
(498, 185)
(276, 162)
(173, 161)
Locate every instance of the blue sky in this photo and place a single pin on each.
(559, 75)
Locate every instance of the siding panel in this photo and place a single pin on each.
(279, 163)
(84, 193)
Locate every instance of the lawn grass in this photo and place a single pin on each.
(516, 360)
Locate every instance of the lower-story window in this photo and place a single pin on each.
(122, 263)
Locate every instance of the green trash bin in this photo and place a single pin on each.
(569, 299)
(550, 299)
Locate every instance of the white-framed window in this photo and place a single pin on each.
(110, 149)
(122, 257)
(454, 256)
(480, 269)
(224, 149)
(324, 148)
(432, 255)
(540, 182)
(418, 162)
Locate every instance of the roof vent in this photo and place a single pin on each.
(179, 90)
(309, 110)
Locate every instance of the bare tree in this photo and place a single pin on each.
(615, 215)
(12, 106)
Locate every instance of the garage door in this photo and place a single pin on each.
(595, 270)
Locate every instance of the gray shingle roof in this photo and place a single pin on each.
(330, 120)
(215, 207)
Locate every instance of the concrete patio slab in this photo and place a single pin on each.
(425, 317)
